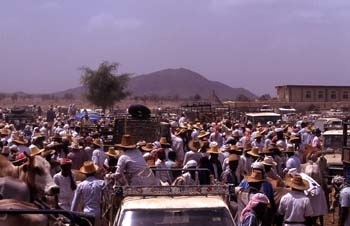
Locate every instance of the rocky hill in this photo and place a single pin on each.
(183, 83)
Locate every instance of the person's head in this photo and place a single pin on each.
(161, 154)
(66, 166)
(172, 156)
(259, 203)
(233, 162)
(192, 164)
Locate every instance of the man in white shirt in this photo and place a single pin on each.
(295, 206)
(66, 182)
(344, 201)
(98, 155)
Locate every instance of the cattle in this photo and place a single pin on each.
(20, 219)
(35, 172)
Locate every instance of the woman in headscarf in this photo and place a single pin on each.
(252, 214)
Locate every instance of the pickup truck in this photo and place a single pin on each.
(180, 208)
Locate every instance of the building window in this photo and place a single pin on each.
(308, 94)
(320, 94)
(345, 95)
(333, 95)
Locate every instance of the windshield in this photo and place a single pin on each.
(191, 217)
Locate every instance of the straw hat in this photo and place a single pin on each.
(34, 150)
(258, 135)
(247, 147)
(126, 142)
(179, 131)
(297, 182)
(233, 157)
(163, 141)
(213, 148)
(20, 140)
(194, 145)
(255, 176)
(268, 160)
(273, 147)
(197, 125)
(290, 149)
(265, 151)
(75, 146)
(5, 131)
(98, 142)
(88, 168)
(294, 139)
(203, 134)
(112, 152)
(254, 152)
(148, 147)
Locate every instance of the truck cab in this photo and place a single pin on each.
(175, 205)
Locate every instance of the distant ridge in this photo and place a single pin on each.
(183, 83)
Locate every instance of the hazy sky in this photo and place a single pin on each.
(255, 44)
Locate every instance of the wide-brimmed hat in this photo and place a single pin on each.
(254, 152)
(34, 150)
(98, 142)
(265, 150)
(213, 148)
(112, 152)
(297, 182)
(255, 176)
(258, 135)
(164, 141)
(20, 140)
(233, 157)
(5, 131)
(268, 160)
(148, 147)
(289, 149)
(126, 142)
(197, 125)
(180, 131)
(203, 134)
(273, 147)
(247, 147)
(194, 145)
(294, 139)
(75, 146)
(88, 168)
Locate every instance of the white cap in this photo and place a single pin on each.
(189, 164)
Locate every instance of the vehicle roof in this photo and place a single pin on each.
(177, 202)
(329, 119)
(334, 132)
(263, 114)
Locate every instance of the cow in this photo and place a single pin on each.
(20, 219)
(35, 173)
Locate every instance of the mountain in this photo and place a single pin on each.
(184, 83)
(181, 82)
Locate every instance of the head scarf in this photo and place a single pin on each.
(253, 202)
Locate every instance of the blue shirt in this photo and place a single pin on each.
(89, 192)
(267, 189)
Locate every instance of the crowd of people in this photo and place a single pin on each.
(281, 165)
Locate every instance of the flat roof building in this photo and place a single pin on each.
(313, 93)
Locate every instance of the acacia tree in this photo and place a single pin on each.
(104, 86)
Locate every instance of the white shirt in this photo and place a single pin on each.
(295, 206)
(99, 157)
(177, 146)
(66, 194)
(344, 200)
